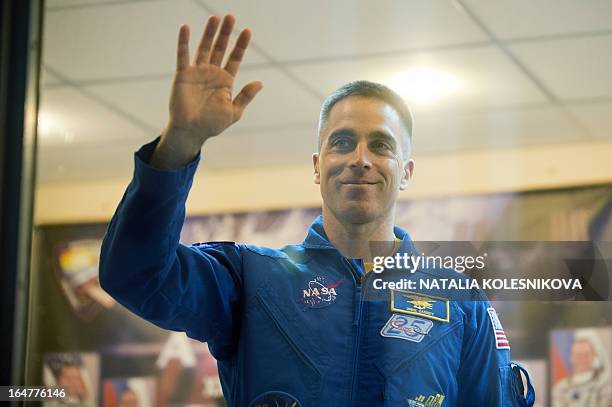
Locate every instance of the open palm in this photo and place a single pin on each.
(201, 102)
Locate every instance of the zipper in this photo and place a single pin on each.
(356, 322)
(356, 275)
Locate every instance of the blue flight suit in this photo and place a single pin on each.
(303, 325)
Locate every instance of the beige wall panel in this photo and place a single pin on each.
(481, 172)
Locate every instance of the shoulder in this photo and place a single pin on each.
(238, 248)
(263, 251)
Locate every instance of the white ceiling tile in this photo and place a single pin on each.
(497, 106)
(288, 147)
(528, 18)
(434, 133)
(571, 68)
(69, 120)
(50, 4)
(48, 78)
(291, 30)
(108, 161)
(119, 40)
(280, 103)
(597, 117)
(223, 152)
(146, 100)
(488, 79)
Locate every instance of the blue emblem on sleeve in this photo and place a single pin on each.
(422, 305)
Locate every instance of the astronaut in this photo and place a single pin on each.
(302, 325)
(590, 383)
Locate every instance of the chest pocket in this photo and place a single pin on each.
(277, 360)
(284, 314)
(283, 354)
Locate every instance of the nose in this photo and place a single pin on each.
(360, 157)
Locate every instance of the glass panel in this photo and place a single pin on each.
(510, 143)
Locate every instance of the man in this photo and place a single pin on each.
(128, 398)
(300, 326)
(589, 384)
(67, 369)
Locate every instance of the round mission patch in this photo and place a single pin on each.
(274, 399)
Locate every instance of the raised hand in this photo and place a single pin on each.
(201, 101)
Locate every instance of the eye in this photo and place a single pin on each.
(341, 143)
(381, 145)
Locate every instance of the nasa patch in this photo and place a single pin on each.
(319, 293)
(406, 327)
(275, 399)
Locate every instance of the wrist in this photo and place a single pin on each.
(176, 148)
(182, 141)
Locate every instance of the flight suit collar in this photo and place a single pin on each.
(316, 237)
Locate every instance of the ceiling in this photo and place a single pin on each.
(531, 72)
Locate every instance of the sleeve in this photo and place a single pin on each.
(487, 376)
(194, 289)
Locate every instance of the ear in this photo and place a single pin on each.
(407, 174)
(315, 164)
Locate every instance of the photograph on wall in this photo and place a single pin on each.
(77, 272)
(183, 369)
(77, 373)
(129, 392)
(580, 367)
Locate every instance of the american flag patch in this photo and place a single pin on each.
(501, 341)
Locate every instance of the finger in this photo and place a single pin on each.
(182, 50)
(207, 38)
(246, 95)
(222, 39)
(235, 58)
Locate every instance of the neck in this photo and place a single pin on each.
(353, 239)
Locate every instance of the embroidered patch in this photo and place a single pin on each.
(501, 342)
(422, 305)
(406, 327)
(275, 399)
(429, 401)
(319, 293)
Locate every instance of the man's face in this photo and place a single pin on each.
(70, 379)
(360, 166)
(128, 399)
(582, 356)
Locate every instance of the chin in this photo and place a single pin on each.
(359, 214)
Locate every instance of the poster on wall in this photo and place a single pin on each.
(129, 392)
(77, 373)
(177, 371)
(76, 270)
(581, 360)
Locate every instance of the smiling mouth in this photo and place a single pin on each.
(359, 183)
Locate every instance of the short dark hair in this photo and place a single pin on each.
(369, 90)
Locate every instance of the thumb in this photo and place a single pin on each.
(246, 95)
